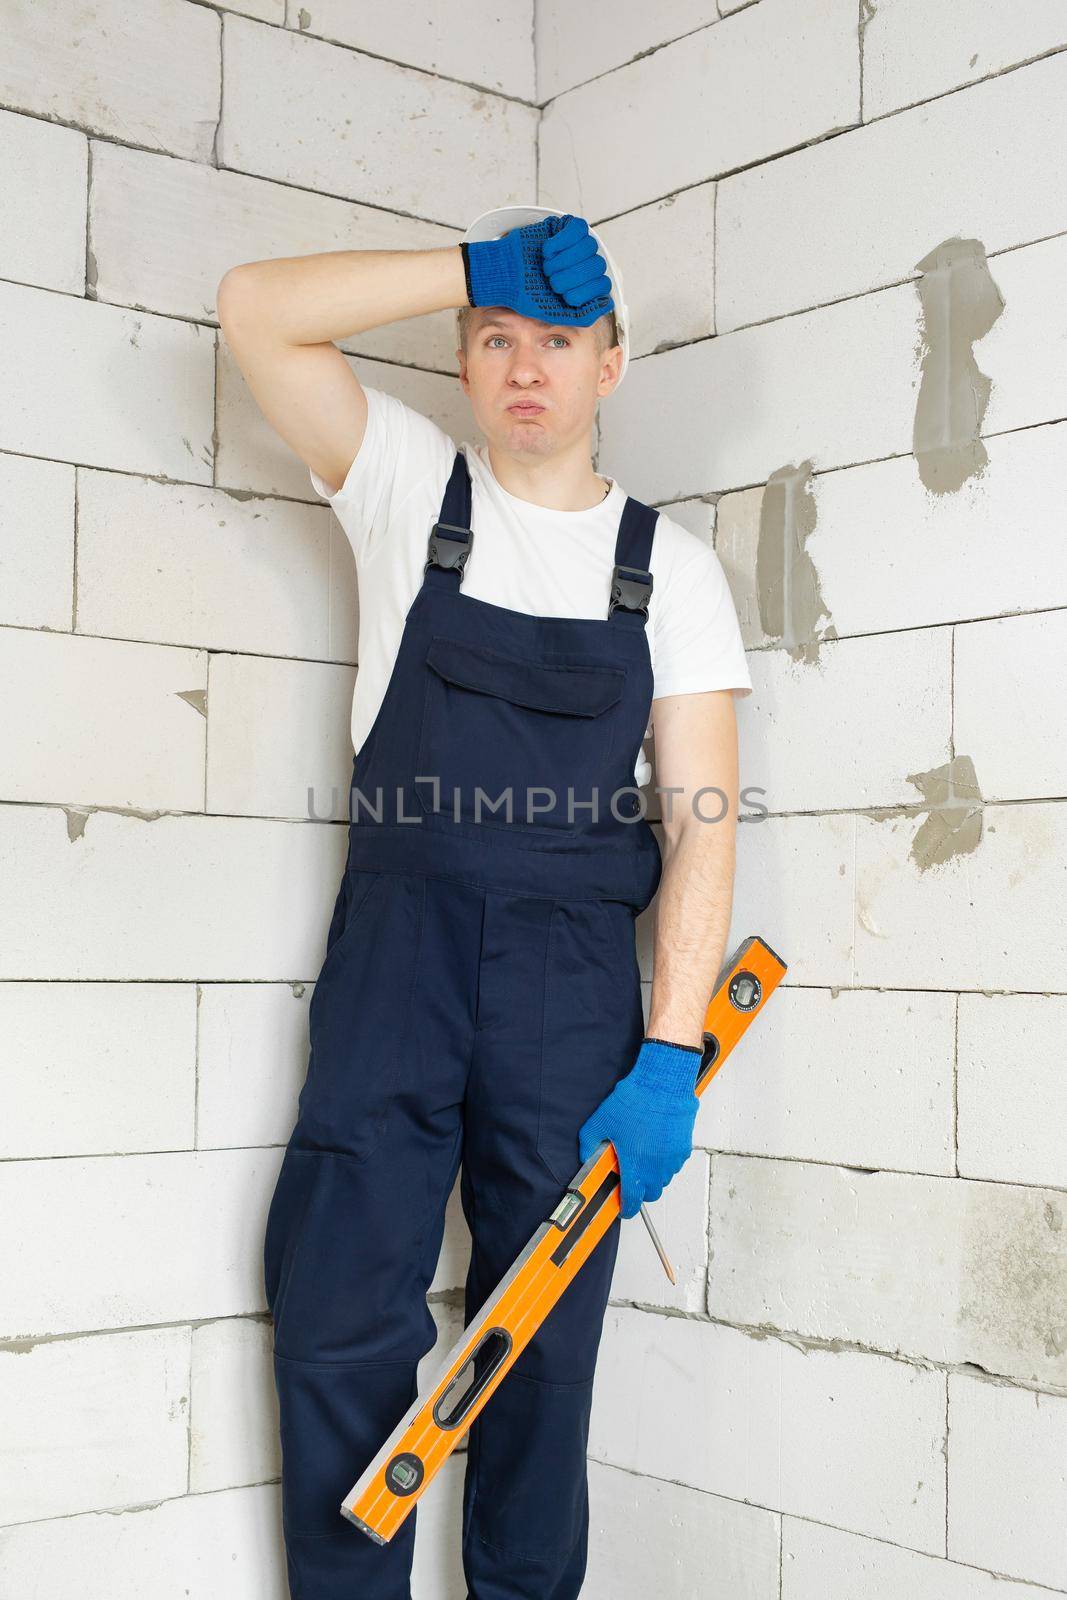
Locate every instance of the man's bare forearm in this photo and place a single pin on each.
(692, 925)
(319, 298)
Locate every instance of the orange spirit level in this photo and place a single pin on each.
(439, 1418)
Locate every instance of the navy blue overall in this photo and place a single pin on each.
(479, 996)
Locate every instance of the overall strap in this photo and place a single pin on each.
(631, 579)
(451, 536)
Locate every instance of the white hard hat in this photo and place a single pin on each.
(501, 219)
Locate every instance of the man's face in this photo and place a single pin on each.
(534, 386)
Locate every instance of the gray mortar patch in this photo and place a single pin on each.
(787, 584)
(960, 303)
(953, 825)
(197, 698)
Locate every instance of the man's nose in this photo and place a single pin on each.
(525, 369)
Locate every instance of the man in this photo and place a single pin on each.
(479, 1007)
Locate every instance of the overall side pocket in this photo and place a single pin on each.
(353, 897)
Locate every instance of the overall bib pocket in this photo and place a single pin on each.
(514, 743)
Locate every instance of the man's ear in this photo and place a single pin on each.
(610, 368)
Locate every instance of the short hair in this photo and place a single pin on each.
(605, 329)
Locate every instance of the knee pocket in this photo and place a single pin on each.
(531, 1489)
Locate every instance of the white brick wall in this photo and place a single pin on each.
(484, 43)
(723, 97)
(1007, 1455)
(60, 63)
(818, 1561)
(136, 389)
(689, 1536)
(977, 1269)
(926, 561)
(573, 44)
(970, 40)
(859, 213)
(840, 1437)
(43, 170)
(96, 1422)
(165, 231)
(185, 1548)
(857, 1386)
(1009, 1049)
(370, 130)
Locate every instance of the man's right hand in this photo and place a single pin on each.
(551, 270)
(573, 265)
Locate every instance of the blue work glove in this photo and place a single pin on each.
(649, 1118)
(551, 270)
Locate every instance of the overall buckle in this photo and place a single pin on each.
(630, 592)
(449, 547)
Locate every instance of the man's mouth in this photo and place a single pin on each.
(525, 408)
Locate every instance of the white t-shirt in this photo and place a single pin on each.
(523, 556)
